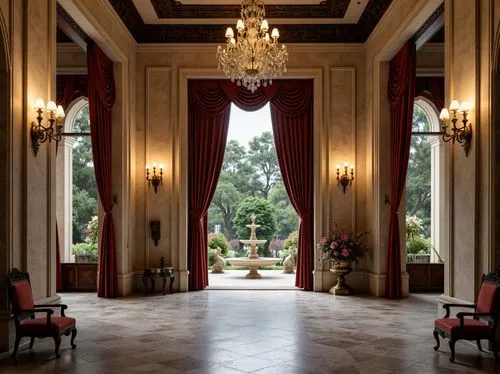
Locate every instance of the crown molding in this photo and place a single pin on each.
(212, 47)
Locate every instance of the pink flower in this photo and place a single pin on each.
(345, 253)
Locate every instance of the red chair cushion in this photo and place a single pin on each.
(21, 295)
(39, 325)
(488, 297)
(472, 327)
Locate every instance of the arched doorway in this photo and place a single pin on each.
(5, 172)
(77, 207)
(426, 200)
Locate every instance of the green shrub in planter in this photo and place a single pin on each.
(214, 241)
(418, 245)
(85, 249)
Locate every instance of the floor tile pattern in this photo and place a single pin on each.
(243, 331)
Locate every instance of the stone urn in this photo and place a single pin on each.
(341, 269)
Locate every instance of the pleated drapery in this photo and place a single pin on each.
(292, 116)
(401, 95)
(208, 123)
(101, 94)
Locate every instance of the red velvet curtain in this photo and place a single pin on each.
(292, 116)
(401, 95)
(58, 262)
(101, 93)
(208, 122)
(432, 88)
(70, 87)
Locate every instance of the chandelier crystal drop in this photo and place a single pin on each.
(252, 58)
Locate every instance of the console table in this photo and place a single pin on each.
(150, 274)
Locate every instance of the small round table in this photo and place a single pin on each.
(165, 273)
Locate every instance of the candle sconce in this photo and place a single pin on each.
(462, 134)
(346, 178)
(154, 179)
(40, 133)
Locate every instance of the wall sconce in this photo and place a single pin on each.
(155, 179)
(345, 179)
(155, 231)
(462, 134)
(40, 133)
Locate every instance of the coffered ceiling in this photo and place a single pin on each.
(299, 21)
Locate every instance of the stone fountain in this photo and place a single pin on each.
(253, 261)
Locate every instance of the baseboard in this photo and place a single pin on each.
(377, 284)
(126, 283)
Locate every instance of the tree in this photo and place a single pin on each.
(226, 200)
(237, 170)
(84, 208)
(286, 217)
(262, 156)
(84, 184)
(264, 212)
(418, 180)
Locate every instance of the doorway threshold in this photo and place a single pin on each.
(235, 280)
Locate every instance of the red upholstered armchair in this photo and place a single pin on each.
(24, 309)
(481, 324)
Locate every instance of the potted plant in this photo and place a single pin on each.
(339, 249)
(87, 252)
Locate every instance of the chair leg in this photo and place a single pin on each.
(479, 345)
(16, 345)
(32, 341)
(73, 336)
(57, 341)
(436, 336)
(452, 349)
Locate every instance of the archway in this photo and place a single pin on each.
(5, 172)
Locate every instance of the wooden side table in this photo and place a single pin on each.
(150, 274)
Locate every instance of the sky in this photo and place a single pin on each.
(243, 126)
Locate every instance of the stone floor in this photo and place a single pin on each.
(250, 331)
(235, 280)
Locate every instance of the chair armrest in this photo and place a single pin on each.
(62, 306)
(448, 306)
(461, 316)
(42, 310)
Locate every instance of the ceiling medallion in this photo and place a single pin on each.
(254, 58)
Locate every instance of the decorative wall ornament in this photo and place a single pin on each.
(254, 57)
(462, 134)
(53, 131)
(346, 178)
(154, 179)
(155, 232)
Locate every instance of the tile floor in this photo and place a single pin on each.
(250, 331)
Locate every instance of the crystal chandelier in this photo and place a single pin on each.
(254, 57)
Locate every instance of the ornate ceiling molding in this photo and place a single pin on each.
(290, 33)
(175, 9)
(67, 25)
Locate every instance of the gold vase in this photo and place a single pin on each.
(341, 269)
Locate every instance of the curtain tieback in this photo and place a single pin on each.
(306, 215)
(195, 215)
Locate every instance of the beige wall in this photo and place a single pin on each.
(161, 136)
(30, 213)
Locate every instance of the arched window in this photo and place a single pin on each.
(77, 191)
(425, 186)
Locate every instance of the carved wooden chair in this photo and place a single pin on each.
(481, 324)
(26, 322)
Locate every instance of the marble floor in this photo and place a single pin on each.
(221, 332)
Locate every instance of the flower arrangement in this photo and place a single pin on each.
(341, 246)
